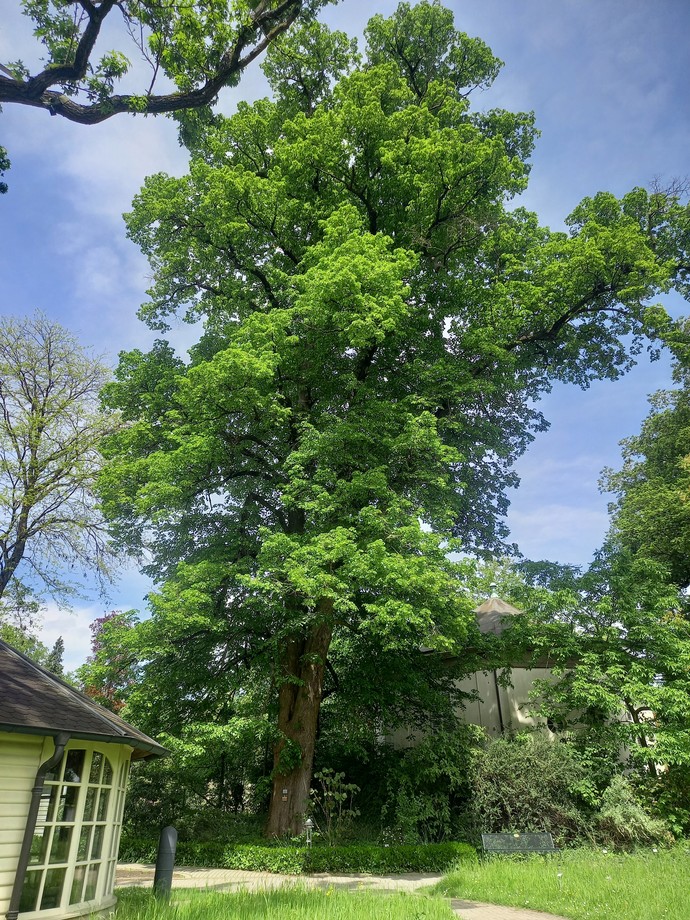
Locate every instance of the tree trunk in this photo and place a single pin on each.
(299, 701)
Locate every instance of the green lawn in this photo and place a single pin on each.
(583, 885)
(293, 903)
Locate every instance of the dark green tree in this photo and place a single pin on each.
(54, 661)
(377, 326)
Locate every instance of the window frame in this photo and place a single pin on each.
(97, 863)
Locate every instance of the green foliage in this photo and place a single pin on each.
(651, 516)
(619, 640)
(668, 797)
(54, 659)
(428, 790)
(199, 47)
(332, 804)
(4, 166)
(531, 783)
(436, 857)
(623, 822)
(378, 324)
(213, 774)
(111, 670)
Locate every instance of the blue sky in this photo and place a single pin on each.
(608, 82)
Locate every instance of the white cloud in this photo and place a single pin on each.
(560, 532)
(73, 626)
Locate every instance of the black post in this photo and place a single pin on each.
(165, 862)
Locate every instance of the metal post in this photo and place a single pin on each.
(165, 862)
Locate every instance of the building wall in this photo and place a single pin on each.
(514, 708)
(20, 758)
(484, 711)
(78, 827)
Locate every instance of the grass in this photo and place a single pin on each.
(293, 903)
(582, 885)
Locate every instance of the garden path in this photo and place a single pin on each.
(232, 879)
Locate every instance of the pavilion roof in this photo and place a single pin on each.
(34, 701)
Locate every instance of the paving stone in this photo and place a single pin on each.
(234, 879)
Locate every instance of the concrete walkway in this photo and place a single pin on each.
(234, 879)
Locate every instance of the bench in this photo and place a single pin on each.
(518, 843)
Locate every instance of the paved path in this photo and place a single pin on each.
(234, 879)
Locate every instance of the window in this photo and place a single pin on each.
(74, 848)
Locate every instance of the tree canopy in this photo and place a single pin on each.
(50, 427)
(652, 510)
(378, 322)
(618, 639)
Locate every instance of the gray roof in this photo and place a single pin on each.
(493, 616)
(33, 701)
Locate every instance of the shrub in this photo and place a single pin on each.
(332, 804)
(297, 860)
(623, 822)
(428, 790)
(531, 783)
(667, 796)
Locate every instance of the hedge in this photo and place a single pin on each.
(432, 857)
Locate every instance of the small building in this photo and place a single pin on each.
(64, 763)
(497, 707)
(500, 707)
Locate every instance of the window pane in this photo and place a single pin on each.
(115, 841)
(96, 764)
(32, 883)
(52, 890)
(103, 804)
(111, 878)
(91, 880)
(59, 851)
(90, 806)
(39, 845)
(97, 844)
(53, 775)
(77, 884)
(107, 773)
(74, 766)
(49, 797)
(84, 838)
(67, 807)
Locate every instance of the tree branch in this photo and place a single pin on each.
(36, 91)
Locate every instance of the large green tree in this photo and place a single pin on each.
(377, 326)
(651, 514)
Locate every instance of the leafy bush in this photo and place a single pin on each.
(331, 804)
(428, 790)
(623, 822)
(531, 783)
(297, 860)
(667, 796)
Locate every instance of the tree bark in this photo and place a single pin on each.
(299, 702)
